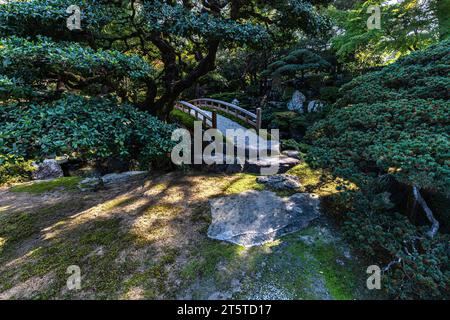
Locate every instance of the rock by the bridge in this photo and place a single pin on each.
(120, 177)
(297, 101)
(292, 154)
(280, 181)
(315, 106)
(96, 183)
(253, 218)
(90, 184)
(283, 162)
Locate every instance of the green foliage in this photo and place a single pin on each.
(14, 169)
(49, 16)
(180, 38)
(29, 66)
(66, 183)
(392, 121)
(423, 74)
(300, 60)
(293, 122)
(406, 26)
(177, 19)
(329, 94)
(244, 101)
(182, 118)
(83, 128)
(406, 138)
(385, 236)
(291, 144)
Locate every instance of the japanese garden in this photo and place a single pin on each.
(225, 149)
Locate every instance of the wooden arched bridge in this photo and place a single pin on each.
(223, 116)
(213, 114)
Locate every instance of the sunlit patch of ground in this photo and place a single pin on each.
(146, 239)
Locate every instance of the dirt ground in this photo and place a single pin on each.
(146, 239)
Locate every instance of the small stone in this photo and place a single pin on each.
(347, 254)
(47, 170)
(308, 240)
(90, 184)
(315, 106)
(120, 177)
(340, 262)
(280, 182)
(235, 285)
(297, 101)
(292, 154)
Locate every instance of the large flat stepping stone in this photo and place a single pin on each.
(283, 162)
(253, 218)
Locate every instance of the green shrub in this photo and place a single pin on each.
(244, 100)
(394, 121)
(182, 118)
(329, 94)
(14, 169)
(83, 128)
(421, 75)
(385, 236)
(291, 144)
(406, 138)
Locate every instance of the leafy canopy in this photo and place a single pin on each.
(299, 60)
(406, 26)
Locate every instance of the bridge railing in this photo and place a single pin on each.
(209, 121)
(253, 119)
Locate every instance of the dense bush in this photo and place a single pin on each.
(32, 69)
(420, 266)
(408, 139)
(421, 75)
(83, 128)
(394, 123)
(14, 169)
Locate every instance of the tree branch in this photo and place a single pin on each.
(434, 223)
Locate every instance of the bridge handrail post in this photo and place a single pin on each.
(214, 120)
(258, 119)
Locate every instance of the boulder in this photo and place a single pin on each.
(120, 177)
(47, 169)
(297, 101)
(315, 106)
(292, 154)
(90, 184)
(280, 181)
(253, 218)
(283, 162)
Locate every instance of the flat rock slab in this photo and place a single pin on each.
(253, 218)
(282, 163)
(281, 181)
(121, 177)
